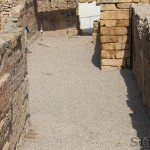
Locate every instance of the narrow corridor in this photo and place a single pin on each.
(75, 106)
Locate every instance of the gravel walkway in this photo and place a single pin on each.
(75, 106)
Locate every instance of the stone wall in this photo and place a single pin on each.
(90, 1)
(59, 17)
(5, 11)
(115, 33)
(13, 69)
(13, 88)
(17, 14)
(24, 15)
(96, 31)
(141, 50)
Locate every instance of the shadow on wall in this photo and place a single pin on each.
(56, 19)
(87, 31)
(139, 116)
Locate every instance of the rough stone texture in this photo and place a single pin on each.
(115, 32)
(15, 14)
(5, 11)
(141, 50)
(27, 17)
(13, 88)
(59, 17)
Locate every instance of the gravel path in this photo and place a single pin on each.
(75, 106)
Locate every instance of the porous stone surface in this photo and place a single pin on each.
(13, 88)
(18, 14)
(141, 50)
(59, 17)
(115, 32)
(75, 106)
(5, 11)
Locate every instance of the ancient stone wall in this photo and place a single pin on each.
(18, 14)
(58, 16)
(115, 32)
(90, 1)
(13, 88)
(5, 11)
(141, 49)
(24, 15)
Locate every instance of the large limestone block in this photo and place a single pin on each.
(114, 46)
(108, 23)
(123, 5)
(114, 23)
(114, 31)
(113, 62)
(115, 14)
(109, 39)
(123, 23)
(108, 54)
(123, 39)
(106, 7)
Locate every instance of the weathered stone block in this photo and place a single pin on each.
(123, 5)
(114, 46)
(108, 54)
(114, 31)
(123, 54)
(106, 7)
(123, 39)
(124, 14)
(113, 62)
(109, 39)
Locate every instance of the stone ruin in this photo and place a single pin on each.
(124, 38)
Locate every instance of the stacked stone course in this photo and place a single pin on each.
(141, 50)
(59, 17)
(15, 14)
(115, 33)
(13, 88)
(5, 11)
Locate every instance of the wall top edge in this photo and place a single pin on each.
(115, 1)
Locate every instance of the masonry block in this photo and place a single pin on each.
(114, 31)
(113, 62)
(122, 14)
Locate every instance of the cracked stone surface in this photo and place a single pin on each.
(75, 106)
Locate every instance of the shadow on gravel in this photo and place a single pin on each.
(96, 55)
(139, 116)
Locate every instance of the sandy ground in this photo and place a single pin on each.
(75, 106)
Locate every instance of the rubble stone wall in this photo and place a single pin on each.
(5, 11)
(26, 16)
(18, 14)
(13, 88)
(59, 17)
(141, 50)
